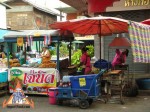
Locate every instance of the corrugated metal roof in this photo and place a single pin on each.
(44, 9)
(80, 5)
(67, 9)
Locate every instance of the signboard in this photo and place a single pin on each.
(33, 80)
(82, 82)
(128, 5)
(20, 41)
(97, 6)
(18, 99)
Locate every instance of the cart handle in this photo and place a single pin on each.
(100, 73)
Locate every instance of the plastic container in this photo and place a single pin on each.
(66, 78)
(3, 76)
(85, 83)
(64, 92)
(52, 96)
(143, 83)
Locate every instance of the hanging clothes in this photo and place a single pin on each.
(140, 42)
(47, 40)
(29, 40)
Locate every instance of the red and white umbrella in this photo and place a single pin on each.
(147, 21)
(96, 25)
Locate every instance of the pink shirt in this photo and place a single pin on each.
(119, 58)
(85, 59)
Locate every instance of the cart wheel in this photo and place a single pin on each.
(83, 104)
(90, 101)
(59, 102)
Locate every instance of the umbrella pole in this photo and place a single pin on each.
(70, 53)
(100, 50)
(100, 40)
(58, 44)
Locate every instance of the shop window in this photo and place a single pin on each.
(22, 20)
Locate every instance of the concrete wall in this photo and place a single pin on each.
(3, 17)
(42, 20)
(20, 20)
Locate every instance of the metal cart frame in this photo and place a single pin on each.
(84, 98)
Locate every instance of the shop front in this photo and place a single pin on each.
(35, 77)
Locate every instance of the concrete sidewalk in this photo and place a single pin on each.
(140, 103)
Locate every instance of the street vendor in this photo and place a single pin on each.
(85, 62)
(45, 55)
(120, 57)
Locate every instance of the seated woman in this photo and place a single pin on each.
(45, 55)
(120, 57)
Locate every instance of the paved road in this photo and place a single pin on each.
(136, 104)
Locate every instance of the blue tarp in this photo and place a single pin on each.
(2, 33)
(103, 64)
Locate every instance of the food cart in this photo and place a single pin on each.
(3, 63)
(34, 80)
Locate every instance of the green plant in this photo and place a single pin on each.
(10, 55)
(90, 50)
(52, 52)
(75, 59)
(63, 50)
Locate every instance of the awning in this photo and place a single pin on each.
(36, 34)
(2, 33)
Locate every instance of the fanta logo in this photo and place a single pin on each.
(16, 72)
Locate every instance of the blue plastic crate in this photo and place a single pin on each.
(89, 85)
(64, 92)
(3, 76)
(143, 83)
